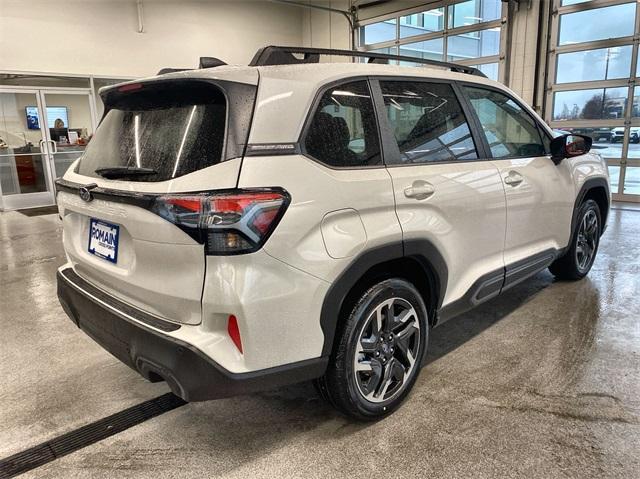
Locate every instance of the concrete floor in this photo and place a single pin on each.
(544, 382)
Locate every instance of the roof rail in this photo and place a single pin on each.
(275, 55)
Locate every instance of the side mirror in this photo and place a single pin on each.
(568, 146)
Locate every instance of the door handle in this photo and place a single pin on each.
(513, 179)
(419, 190)
(55, 146)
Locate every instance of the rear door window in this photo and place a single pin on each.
(163, 130)
(343, 130)
(427, 121)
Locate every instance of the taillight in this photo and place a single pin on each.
(233, 222)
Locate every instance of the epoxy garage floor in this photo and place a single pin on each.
(544, 382)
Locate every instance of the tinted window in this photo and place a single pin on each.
(427, 121)
(170, 129)
(343, 130)
(510, 131)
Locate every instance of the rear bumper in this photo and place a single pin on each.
(135, 338)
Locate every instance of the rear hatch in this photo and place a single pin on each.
(158, 140)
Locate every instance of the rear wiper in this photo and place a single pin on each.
(114, 172)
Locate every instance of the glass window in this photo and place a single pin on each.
(427, 121)
(387, 50)
(634, 142)
(474, 11)
(632, 180)
(430, 49)
(423, 22)
(22, 162)
(592, 65)
(343, 130)
(635, 112)
(482, 43)
(614, 178)
(593, 104)
(597, 24)
(572, 2)
(70, 126)
(489, 69)
(510, 131)
(378, 32)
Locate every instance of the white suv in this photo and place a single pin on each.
(232, 229)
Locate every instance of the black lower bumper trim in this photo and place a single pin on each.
(189, 373)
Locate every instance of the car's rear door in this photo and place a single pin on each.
(540, 194)
(448, 197)
(157, 141)
(341, 194)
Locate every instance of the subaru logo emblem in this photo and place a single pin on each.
(85, 192)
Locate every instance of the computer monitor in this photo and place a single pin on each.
(56, 133)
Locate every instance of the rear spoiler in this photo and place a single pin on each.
(205, 62)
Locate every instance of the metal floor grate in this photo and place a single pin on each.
(86, 435)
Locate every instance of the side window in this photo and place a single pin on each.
(343, 130)
(427, 121)
(510, 131)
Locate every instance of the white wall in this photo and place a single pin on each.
(324, 29)
(100, 36)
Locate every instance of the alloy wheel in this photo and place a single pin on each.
(587, 240)
(387, 350)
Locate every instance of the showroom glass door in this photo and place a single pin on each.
(42, 131)
(70, 124)
(25, 172)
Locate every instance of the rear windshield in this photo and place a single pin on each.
(164, 129)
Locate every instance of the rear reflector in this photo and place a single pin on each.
(234, 332)
(234, 222)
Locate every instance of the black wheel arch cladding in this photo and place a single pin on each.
(422, 253)
(596, 189)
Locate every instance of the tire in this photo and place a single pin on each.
(578, 259)
(363, 379)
